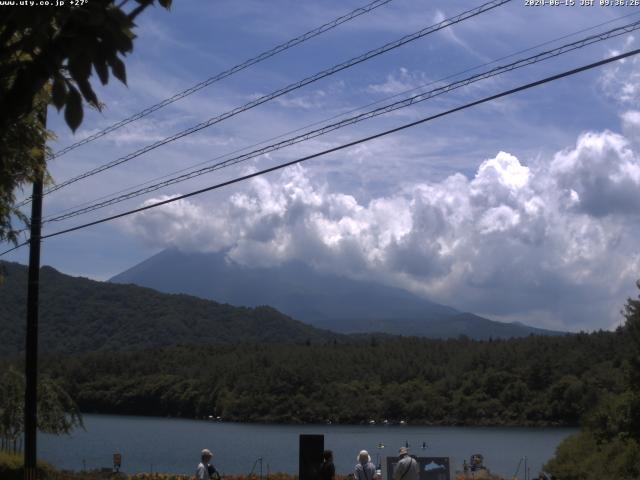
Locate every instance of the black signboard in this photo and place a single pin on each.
(311, 448)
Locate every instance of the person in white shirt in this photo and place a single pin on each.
(364, 470)
(202, 472)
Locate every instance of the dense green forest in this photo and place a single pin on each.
(528, 381)
(81, 315)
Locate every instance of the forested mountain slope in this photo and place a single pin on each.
(80, 315)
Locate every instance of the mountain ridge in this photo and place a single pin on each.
(320, 299)
(80, 315)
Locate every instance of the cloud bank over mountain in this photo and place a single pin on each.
(552, 242)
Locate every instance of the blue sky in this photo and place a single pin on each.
(521, 209)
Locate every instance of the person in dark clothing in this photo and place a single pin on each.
(213, 473)
(327, 469)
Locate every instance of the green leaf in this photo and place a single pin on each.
(59, 92)
(73, 111)
(118, 69)
(80, 67)
(88, 93)
(102, 70)
(122, 39)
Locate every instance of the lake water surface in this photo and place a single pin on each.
(173, 445)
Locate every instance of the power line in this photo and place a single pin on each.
(294, 86)
(359, 118)
(333, 117)
(241, 66)
(15, 247)
(347, 145)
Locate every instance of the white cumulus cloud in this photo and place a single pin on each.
(553, 243)
(621, 80)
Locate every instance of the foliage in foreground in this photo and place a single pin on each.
(57, 412)
(583, 457)
(48, 55)
(11, 467)
(608, 447)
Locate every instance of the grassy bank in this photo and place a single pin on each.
(12, 468)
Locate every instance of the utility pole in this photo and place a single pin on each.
(31, 350)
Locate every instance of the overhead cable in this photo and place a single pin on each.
(359, 118)
(241, 66)
(344, 146)
(333, 117)
(294, 86)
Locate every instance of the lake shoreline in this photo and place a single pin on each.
(328, 423)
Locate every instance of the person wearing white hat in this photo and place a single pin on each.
(202, 472)
(365, 469)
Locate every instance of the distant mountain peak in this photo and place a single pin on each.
(319, 298)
